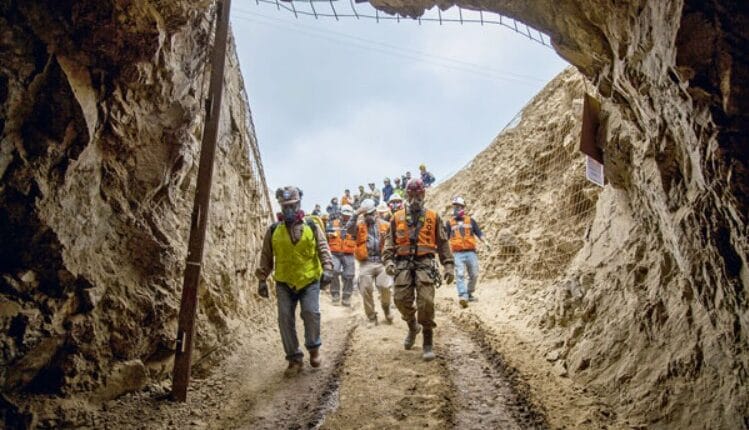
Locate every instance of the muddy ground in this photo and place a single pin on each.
(488, 375)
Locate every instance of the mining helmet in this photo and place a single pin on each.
(347, 210)
(383, 208)
(288, 195)
(395, 198)
(459, 201)
(368, 205)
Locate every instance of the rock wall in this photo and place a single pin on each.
(527, 189)
(101, 114)
(652, 314)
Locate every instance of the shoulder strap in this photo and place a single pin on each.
(273, 228)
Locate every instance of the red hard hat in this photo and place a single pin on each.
(415, 186)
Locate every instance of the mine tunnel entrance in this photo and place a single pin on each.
(599, 307)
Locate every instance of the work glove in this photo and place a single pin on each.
(449, 275)
(327, 278)
(390, 269)
(262, 289)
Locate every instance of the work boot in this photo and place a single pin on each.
(388, 315)
(463, 303)
(314, 357)
(295, 368)
(427, 353)
(472, 298)
(413, 330)
(372, 322)
(346, 302)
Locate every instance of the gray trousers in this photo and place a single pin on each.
(309, 300)
(344, 267)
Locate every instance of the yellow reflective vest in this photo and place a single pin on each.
(297, 264)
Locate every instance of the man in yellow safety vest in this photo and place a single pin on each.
(296, 251)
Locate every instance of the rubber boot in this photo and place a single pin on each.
(413, 329)
(427, 353)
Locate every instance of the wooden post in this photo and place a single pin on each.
(188, 306)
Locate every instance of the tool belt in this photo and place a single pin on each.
(429, 267)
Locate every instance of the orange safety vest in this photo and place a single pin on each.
(361, 238)
(340, 242)
(462, 242)
(427, 240)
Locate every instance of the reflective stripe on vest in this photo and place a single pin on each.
(427, 240)
(465, 241)
(362, 253)
(297, 264)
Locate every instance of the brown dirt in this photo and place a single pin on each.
(367, 381)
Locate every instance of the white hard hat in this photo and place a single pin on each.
(459, 201)
(347, 210)
(395, 198)
(383, 207)
(368, 205)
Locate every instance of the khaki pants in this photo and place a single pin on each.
(371, 275)
(415, 285)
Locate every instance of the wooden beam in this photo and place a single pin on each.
(199, 221)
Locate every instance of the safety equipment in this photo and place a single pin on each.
(339, 240)
(413, 329)
(262, 289)
(426, 352)
(347, 210)
(390, 269)
(461, 235)
(458, 212)
(362, 254)
(368, 206)
(297, 264)
(426, 235)
(383, 208)
(415, 187)
(459, 201)
(327, 278)
(395, 198)
(288, 195)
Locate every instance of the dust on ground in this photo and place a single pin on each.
(487, 375)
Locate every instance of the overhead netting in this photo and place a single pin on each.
(351, 10)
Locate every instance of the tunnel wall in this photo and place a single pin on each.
(100, 125)
(652, 313)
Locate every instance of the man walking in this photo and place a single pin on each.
(416, 236)
(463, 231)
(296, 251)
(370, 234)
(342, 245)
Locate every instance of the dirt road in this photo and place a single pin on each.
(367, 381)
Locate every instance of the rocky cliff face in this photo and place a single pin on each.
(652, 313)
(100, 124)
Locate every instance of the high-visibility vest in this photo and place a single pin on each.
(427, 240)
(465, 241)
(362, 254)
(339, 240)
(297, 264)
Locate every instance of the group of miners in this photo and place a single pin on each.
(395, 246)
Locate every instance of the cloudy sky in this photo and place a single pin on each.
(342, 103)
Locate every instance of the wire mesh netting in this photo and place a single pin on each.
(338, 10)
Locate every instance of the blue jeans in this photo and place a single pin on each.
(470, 261)
(309, 299)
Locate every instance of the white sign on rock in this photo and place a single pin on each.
(594, 171)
